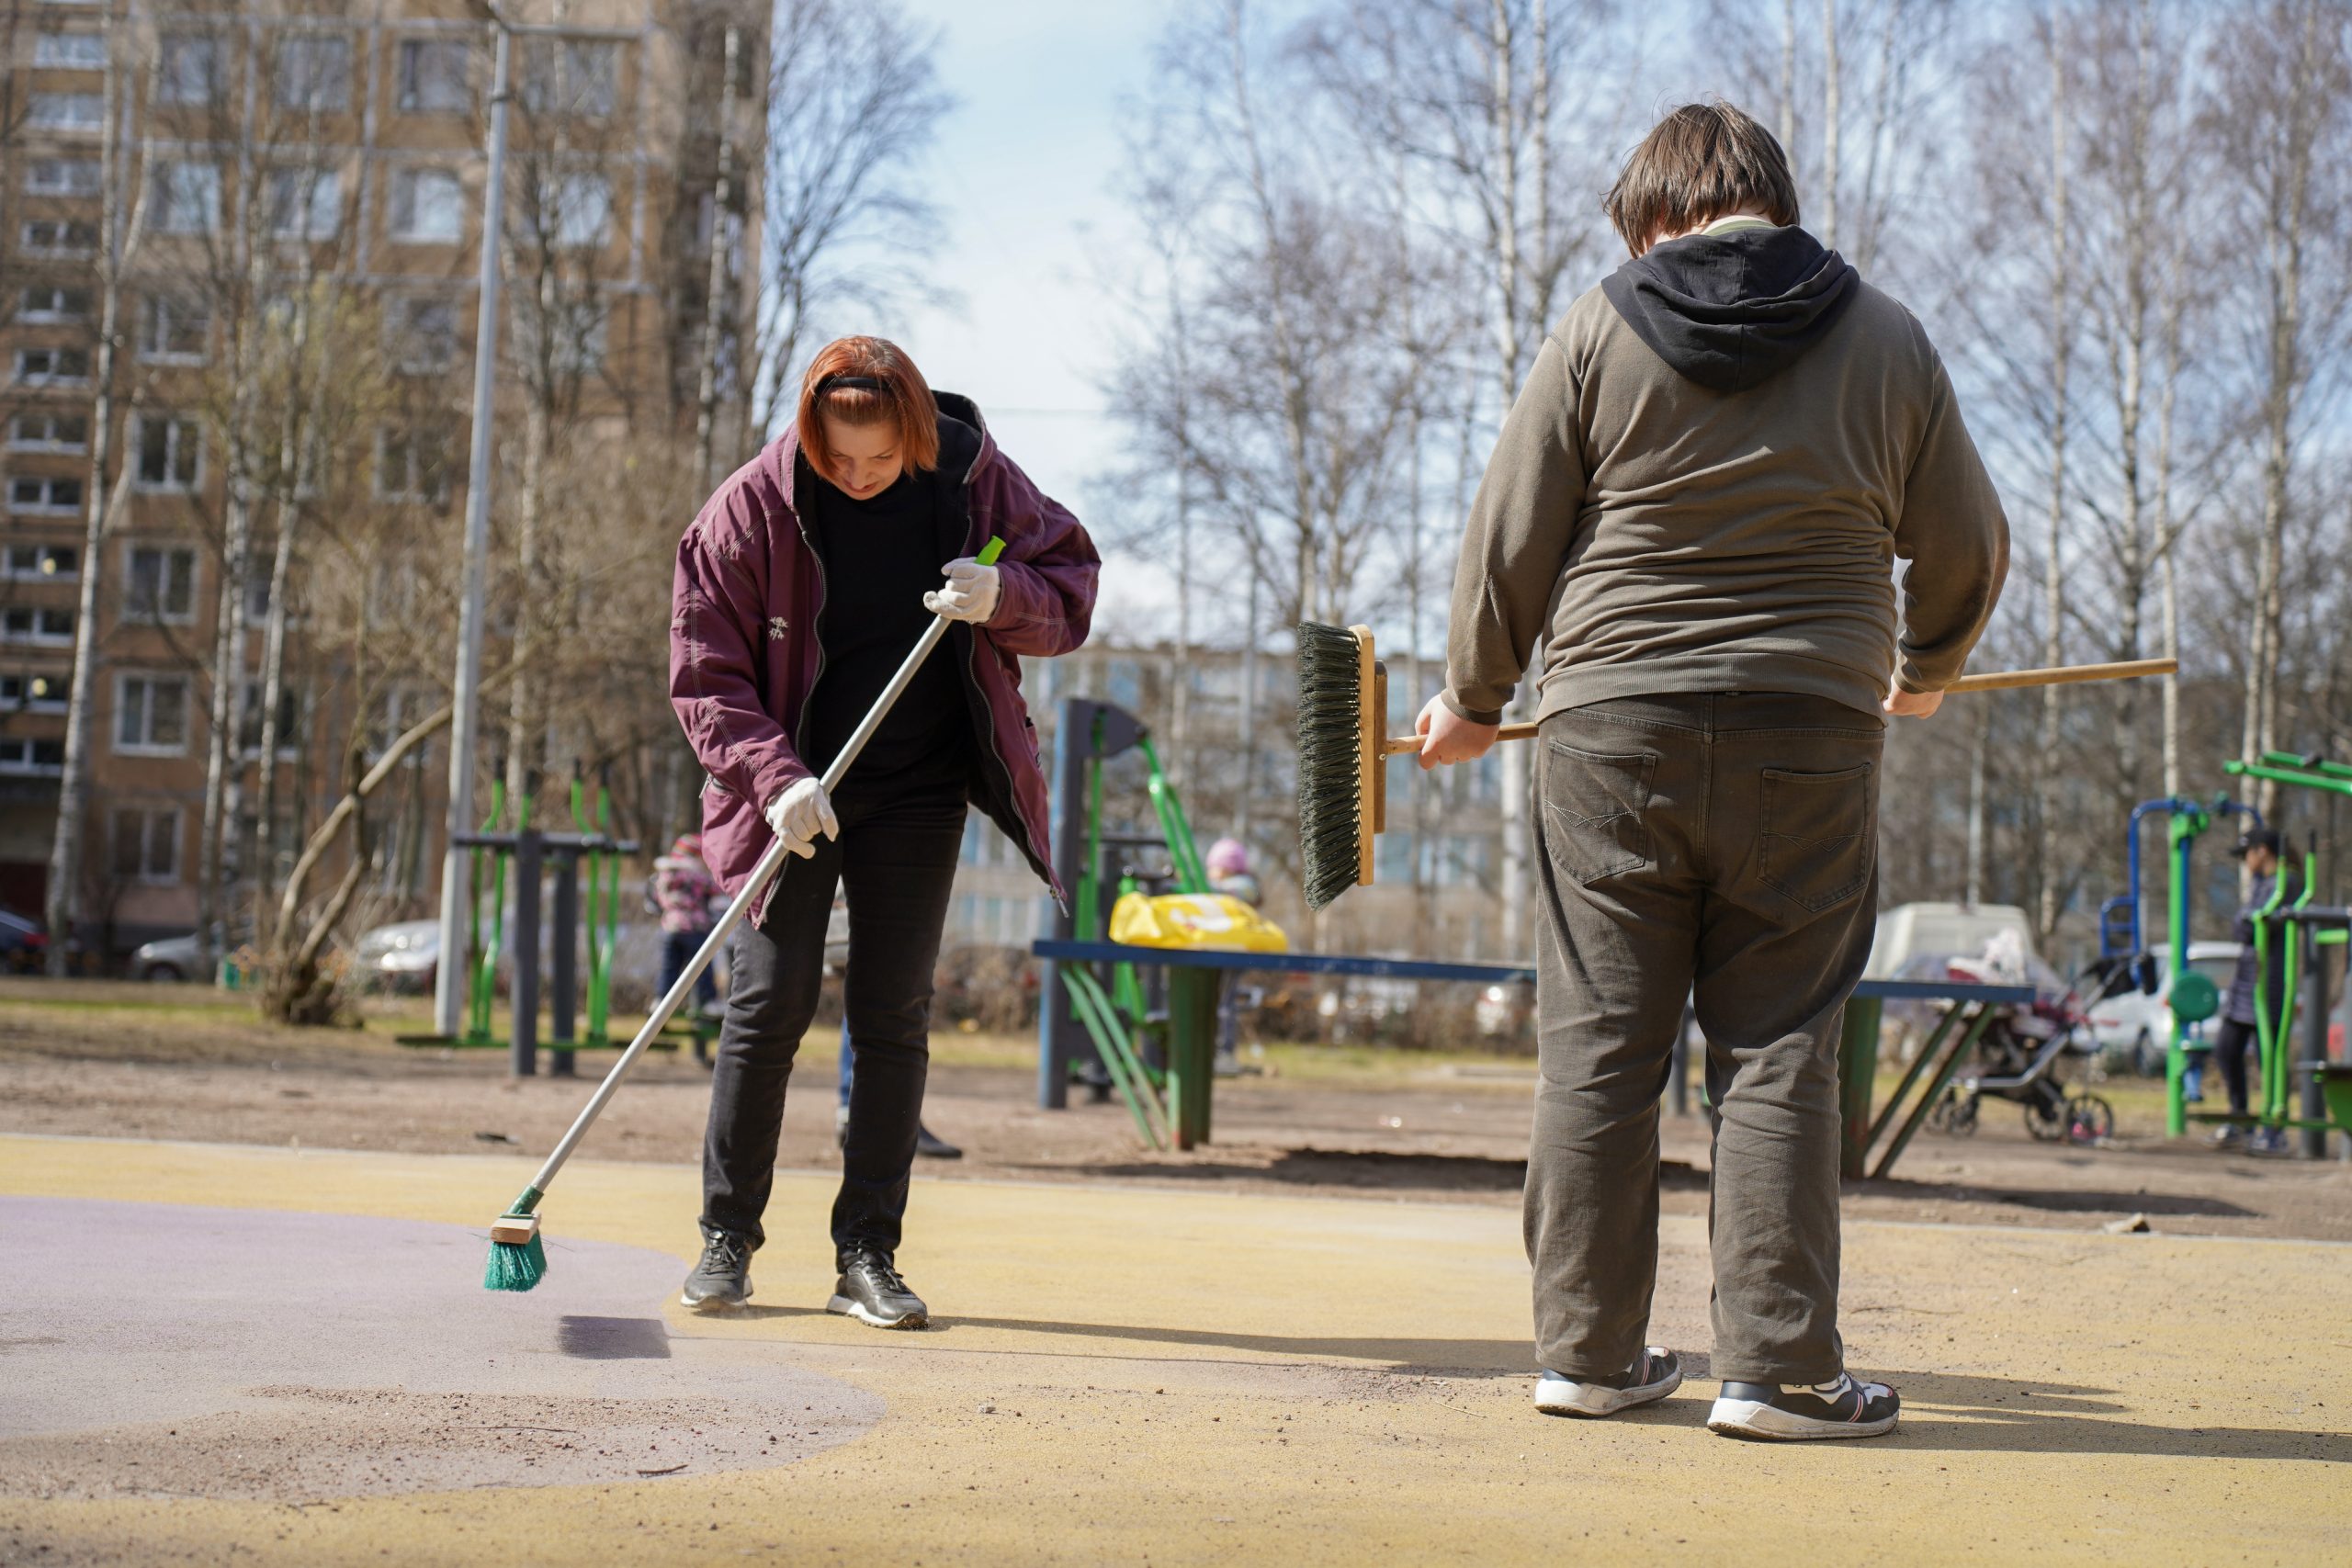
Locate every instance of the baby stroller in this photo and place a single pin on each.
(2022, 1056)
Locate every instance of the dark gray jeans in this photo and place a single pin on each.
(895, 862)
(1723, 846)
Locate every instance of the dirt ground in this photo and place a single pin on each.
(125, 1061)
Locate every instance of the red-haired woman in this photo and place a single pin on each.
(801, 587)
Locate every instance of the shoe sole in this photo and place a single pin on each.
(1590, 1400)
(1766, 1423)
(842, 1306)
(712, 1305)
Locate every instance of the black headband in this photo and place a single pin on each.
(859, 383)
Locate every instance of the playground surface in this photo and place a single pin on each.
(221, 1353)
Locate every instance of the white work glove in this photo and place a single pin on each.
(799, 814)
(970, 594)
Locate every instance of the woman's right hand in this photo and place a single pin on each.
(799, 815)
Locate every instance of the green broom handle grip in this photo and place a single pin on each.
(740, 906)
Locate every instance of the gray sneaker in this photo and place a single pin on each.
(1845, 1406)
(871, 1291)
(1655, 1373)
(722, 1280)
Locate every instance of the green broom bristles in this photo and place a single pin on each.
(517, 1266)
(1330, 789)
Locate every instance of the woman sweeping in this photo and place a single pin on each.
(801, 587)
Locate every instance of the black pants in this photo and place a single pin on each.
(2231, 1042)
(895, 861)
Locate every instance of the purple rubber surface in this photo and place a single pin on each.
(157, 1349)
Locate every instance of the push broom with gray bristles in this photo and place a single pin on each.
(518, 1259)
(1343, 746)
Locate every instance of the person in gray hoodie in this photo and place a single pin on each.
(1689, 530)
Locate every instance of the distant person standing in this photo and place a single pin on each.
(684, 895)
(2250, 989)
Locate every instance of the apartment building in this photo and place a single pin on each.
(313, 151)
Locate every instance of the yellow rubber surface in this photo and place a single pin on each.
(1125, 1375)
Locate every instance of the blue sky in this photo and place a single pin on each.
(1026, 171)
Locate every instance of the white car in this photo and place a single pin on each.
(2134, 1022)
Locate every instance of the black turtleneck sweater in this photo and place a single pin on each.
(881, 556)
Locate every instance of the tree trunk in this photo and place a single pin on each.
(1829, 111)
(718, 302)
(2053, 602)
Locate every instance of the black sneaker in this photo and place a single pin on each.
(1843, 1408)
(931, 1146)
(871, 1291)
(1655, 1373)
(722, 1280)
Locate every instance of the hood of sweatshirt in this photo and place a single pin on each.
(1732, 310)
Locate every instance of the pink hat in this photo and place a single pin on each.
(1228, 857)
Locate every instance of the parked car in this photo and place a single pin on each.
(23, 943)
(170, 958)
(402, 956)
(2138, 1027)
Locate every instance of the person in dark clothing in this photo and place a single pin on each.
(1688, 530)
(801, 587)
(2261, 850)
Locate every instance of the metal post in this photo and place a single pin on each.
(563, 969)
(2315, 1022)
(464, 724)
(526, 1036)
(1057, 1030)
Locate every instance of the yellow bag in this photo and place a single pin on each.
(1194, 920)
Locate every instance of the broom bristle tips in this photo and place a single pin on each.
(1330, 803)
(515, 1267)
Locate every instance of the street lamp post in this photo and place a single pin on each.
(450, 977)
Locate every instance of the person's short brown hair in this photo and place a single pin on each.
(867, 381)
(1698, 162)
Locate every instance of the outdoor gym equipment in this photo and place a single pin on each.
(2192, 996)
(1120, 1019)
(2307, 928)
(531, 854)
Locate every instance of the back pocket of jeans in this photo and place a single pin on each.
(1593, 806)
(1818, 832)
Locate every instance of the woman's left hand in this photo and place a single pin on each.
(970, 594)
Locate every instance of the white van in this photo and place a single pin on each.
(1959, 929)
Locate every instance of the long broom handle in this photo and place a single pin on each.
(1994, 681)
(762, 874)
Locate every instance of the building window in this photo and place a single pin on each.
(412, 464)
(305, 203)
(59, 237)
(433, 77)
(187, 70)
(577, 210)
(314, 73)
(158, 584)
(23, 623)
(575, 344)
(172, 331)
(170, 453)
(185, 197)
(41, 563)
(53, 366)
(423, 334)
(24, 754)
(61, 177)
(34, 693)
(47, 304)
(571, 76)
(289, 721)
(41, 431)
(428, 206)
(146, 844)
(71, 52)
(66, 111)
(55, 497)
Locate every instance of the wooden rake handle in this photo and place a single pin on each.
(1992, 681)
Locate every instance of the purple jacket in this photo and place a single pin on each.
(744, 653)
